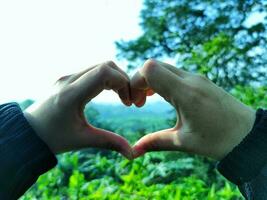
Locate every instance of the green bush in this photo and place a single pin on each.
(112, 177)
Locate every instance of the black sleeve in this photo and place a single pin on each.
(23, 155)
(246, 164)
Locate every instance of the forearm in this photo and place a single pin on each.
(24, 156)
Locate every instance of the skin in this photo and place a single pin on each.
(210, 121)
(59, 120)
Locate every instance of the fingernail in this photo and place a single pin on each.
(150, 92)
(128, 103)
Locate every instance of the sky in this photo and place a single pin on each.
(41, 41)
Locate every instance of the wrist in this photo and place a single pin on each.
(36, 117)
(248, 158)
(242, 126)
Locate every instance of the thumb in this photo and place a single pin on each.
(165, 140)
(103, 139)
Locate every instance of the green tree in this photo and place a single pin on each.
(216, 38)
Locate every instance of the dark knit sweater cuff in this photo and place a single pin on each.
(248, 158)
(23, 155)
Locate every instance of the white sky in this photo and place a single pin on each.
(41, 41)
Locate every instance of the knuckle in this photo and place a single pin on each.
(110, 63)
(63, 80)
(149, 66)
(104, 70)
(110, 78)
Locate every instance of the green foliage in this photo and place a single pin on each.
(155, 176)
(253, 96)
(211, 37)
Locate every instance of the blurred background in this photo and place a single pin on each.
(41, 41)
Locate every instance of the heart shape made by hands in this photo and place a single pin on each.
(60, 121)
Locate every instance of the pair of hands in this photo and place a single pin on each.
(210, 121)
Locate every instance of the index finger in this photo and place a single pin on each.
(98, 79)
(161, 80)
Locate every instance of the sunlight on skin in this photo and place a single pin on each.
(195, 98)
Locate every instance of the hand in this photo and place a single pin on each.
(60, 121)
(210, 121)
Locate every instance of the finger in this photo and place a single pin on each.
(177, 71)
(95, 81)
(108, 140)
(139, 90)
(139, 82)
(79, 74)
(160, 80)
(137, 96)
(114, 66)
(141, 101)
(165, 140)
(124, 95)
(149, 92)
(73, 77)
